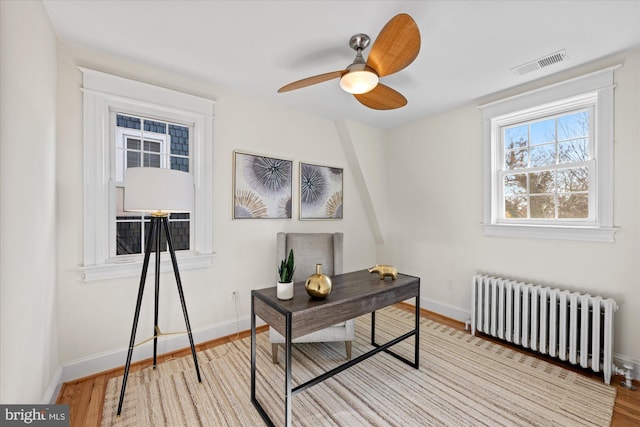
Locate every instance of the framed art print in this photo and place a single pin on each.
(262, 186)
(320, 192)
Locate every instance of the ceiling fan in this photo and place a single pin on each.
(395, 48)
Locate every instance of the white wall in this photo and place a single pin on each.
(435, 200)
(96, 317)
(365, 148)
(28, 74)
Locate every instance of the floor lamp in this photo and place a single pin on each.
(157, 191)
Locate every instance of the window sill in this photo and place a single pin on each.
(585, 234)
(133, 267)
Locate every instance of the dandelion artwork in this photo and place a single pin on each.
(262, 187)
(320, 192)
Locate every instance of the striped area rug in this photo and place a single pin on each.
(462, 381)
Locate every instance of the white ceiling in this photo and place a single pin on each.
(255, 47)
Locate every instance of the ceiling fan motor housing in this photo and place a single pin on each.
(360, 66)
(359, 41)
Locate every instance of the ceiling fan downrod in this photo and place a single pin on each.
(359, 42)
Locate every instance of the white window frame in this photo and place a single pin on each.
(104, 94)
(582, 102)
(596, 90)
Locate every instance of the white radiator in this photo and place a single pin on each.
(570, 326)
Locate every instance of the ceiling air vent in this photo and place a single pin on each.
(543, 62)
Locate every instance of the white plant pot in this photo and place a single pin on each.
(284, 291)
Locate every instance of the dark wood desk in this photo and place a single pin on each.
(353, 294)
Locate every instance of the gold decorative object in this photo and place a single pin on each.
(318, 285)
(385, 270)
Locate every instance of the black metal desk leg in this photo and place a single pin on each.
(253, 351)
(417, 337)
(373, 328)
(287, 379)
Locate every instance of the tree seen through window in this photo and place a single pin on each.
(546, 168)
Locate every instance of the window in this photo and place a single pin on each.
(549, 162)
(126, 124)
(545, 170)
(142, 142)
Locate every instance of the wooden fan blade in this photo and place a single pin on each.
(397, 45)
(311, 81)
(382, 98)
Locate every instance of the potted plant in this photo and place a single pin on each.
(285, 277)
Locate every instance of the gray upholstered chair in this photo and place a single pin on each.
(310, 249)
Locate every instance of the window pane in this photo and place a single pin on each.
(543, 155)
(516, 137)
(179, 147)
(127, 122)
(152, 146)
(133, 152)
(515, 207)
(541, 182)
(573, 206)
(544, 131)
(515, 184)
(179, 163)
(574, 125)
(571, 180)
(179, 140)
(543, 206)
(576, 150)
(151, 160)
(133, 144)
(515, 159)
(128, 238)
(157, 127)
(133, 159)
(180, 234)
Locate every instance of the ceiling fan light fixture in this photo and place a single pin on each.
(360, 80)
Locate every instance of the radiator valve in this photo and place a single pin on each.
(627, 371)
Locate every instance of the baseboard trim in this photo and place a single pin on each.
(52, 392)
(445, 310)
(113, 359)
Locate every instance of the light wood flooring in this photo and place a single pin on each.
(85, 395)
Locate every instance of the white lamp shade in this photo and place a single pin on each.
(158, 190)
